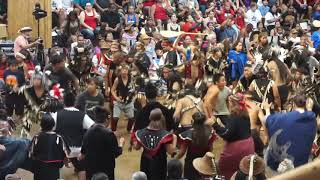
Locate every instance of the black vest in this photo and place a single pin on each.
(125, 91)
(70, 126)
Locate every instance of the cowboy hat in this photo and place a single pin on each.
(25, 29)
(316, 23)
(205, 165)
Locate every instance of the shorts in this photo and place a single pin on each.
(128, 109)
(78, 165)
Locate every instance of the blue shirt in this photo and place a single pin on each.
(291, 136)
(238, 67)
(264, 9)
(83, 3)
(316, 39)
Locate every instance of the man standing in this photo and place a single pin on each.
(90, 98)
(215, 101)
(100, 158)
(291, 134)
(253, 16)
(123, 91)
(71, 125)
(22, 41)
(61, 74)
(185, 108)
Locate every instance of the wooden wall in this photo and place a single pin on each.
(20, 15)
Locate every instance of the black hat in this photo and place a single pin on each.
(57, 58)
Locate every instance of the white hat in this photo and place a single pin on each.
(88, 4)
(24, 29)
(316, 23)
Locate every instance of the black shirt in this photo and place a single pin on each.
(64, 77)
(142, 118)
(111, 18)
(236, 128)
(100, 147)
(85, 102)
(103, 3)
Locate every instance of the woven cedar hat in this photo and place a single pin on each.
(205, 165)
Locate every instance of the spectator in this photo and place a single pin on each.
(295, 141)
(132, 17)
(71, 26)
(112, 19)
(253, 16)
(316, 35)
(14, 79)
(237, 59)
(224, 13)
(3, 65)
(206, 166)
(264, 8)
(254, 162)
(89, 19)
(102, 5)
(271, 18)
(158, 13)
(81, 4)
(22, 41)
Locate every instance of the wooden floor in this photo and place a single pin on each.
(126, 164)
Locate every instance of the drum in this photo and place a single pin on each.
(3, 31)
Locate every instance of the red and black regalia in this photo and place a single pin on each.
(194, 152)
(154, 157)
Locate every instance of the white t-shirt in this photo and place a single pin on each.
(253, 17)
(270, 16)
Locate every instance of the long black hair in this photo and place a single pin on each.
(67, 27)
(201, 132)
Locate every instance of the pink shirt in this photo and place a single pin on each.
(19, 42)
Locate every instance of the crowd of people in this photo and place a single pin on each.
(182, 73)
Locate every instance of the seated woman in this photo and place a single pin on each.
(89, 22)
(71, 27)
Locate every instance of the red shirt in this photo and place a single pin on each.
(186, 27)
(239, 20)
(90, 20)
(149, 3)
(224, 14)
(160, 13)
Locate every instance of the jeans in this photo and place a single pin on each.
(89, 34)
(15, 156)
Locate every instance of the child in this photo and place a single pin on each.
(48, 151)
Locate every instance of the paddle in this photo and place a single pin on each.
(171, 34)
